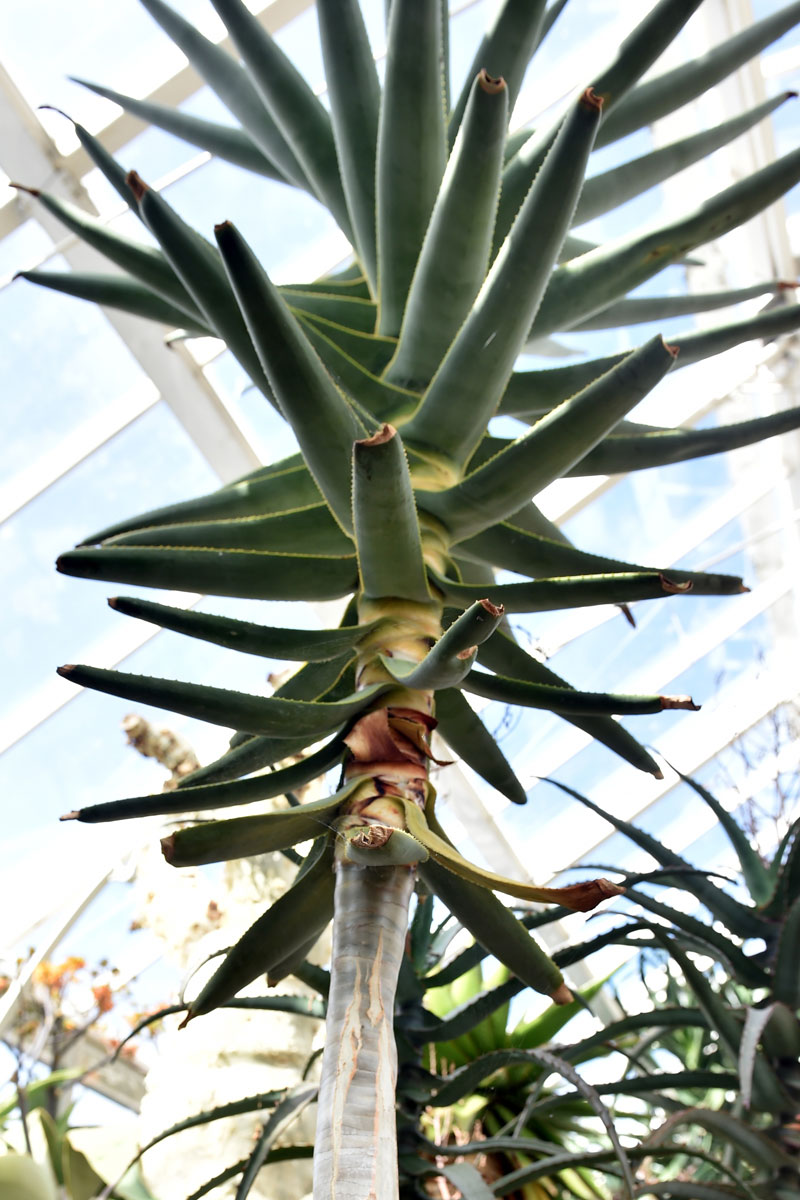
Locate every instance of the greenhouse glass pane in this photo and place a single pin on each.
(86, 368)
(41, 46)
(23, 248)
(52, 618)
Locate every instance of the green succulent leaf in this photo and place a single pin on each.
(530, 394)
(638, 451)
(446, 664)
(546, 595)
(201, 798)
(241, 837)
(373, 351)
(355, 98)
(671, 90)
(500, 486)
(468, 1180)
(223, 141)
(298, 114)
(304, 909)
(755, 874)
(497, 929)
(233, 86)
(411, 150)
(478, 365)
(323, 422)
(767, 1088)
(566, 699)
(251, 574)
(527, 544)
(587, 284)
(117, 291)
(786, 976)
(255, 714)
(311, 531)
(355, 313)
(638, 51)
(384, 400)
(503, 656)
(635, 310)
(284, 487)
(116, 175)
(250, 754)
(286, 1111)
(471, 741)
(741, 967)
(455, 253)
(505, 50)
(608, 189)
(200, 270)
(145, 263)
(301, 645)
(385, 522)
(580, 897)
(754, 1145)
(330, 679)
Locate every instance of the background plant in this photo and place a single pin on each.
(420, 334)
(725, 1004)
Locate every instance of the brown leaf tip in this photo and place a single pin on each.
(113, 602)
(71, 816)
(186, 1020)
(673, 587)
(384, 434)
(136, 184)
(489, 83)
(20, 187)
(562, 995)
(223, 227)
(168, 847)
(679, 702)
(671, 349)
(66, 670)
(494, 610)
(608, 888)
(591, 99)
(788, 285)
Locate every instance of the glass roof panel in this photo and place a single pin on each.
(51, 618)
(95, 368)
(37, 32)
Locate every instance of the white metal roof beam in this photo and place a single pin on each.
(178, 378)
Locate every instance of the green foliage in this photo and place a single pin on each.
(399, 499)
(731, 1017)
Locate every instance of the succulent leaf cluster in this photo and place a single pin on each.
(389, 371)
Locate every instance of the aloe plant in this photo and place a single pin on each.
(398, 501)
(736, 1026)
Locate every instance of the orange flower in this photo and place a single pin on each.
(54, 975)
(103, 997)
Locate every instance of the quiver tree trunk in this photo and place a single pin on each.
(356, 1144)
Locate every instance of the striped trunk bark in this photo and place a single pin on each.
(355, 1156)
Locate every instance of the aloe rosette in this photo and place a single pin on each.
(398, 501)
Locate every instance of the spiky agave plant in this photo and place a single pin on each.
(734, 1029)
(462, 255)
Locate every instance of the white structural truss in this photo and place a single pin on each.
(762, 496)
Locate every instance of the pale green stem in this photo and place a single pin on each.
(355, 1155)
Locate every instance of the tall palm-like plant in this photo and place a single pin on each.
(389, 373)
